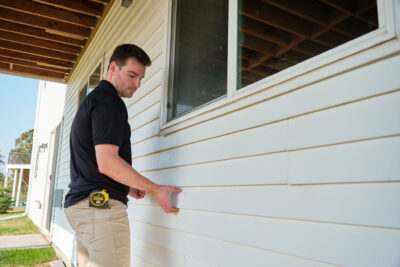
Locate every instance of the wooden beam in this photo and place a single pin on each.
(45, 11)
(38, 33)
(34, 58)
(82, 7)
(351, 8)
(343, 5)
(4, 65)
(309, 10)
(52, 66)
(259, 45)
(30, 64)
(265, 32)
(18, 38)
(36, 51)
(276, 17)
(364, 5)
(310, 48)
(61, 28)
(31, 72)
(276, 64)
(332, 38)
(103, 2)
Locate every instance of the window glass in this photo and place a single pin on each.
(94, 79)
(82, 94)
(199, 54)
(276, 34)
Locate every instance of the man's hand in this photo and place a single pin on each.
(136, 193)
(161, 193)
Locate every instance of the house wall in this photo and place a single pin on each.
(301, 173)
(49, 110)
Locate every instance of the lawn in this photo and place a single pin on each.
(27, 257)
(18, 226)
(14, 211)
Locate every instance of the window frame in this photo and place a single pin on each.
(388, 29)
(86, 82)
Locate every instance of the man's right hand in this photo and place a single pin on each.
(161, 193)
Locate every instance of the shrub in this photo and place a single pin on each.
(5, 200)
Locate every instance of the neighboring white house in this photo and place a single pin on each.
(283, 132)
(49, 112)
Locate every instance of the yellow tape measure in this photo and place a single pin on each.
(99, 199)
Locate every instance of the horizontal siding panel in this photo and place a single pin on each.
(148, 130)
(153, 96)
(266, 169)
(350, 162)
(154, 45)
(378, 116)
(152, 112)
(371, 160)
(137, 261)
(214, 251)
(330, 243)
(154, 79)
(65, 172)
(270, 138)
(162, 257)
(371, 80)
(339, 203)
(157, 33)
(153, 17)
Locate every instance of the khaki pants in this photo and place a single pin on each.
(102, 235)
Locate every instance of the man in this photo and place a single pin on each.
(101, 159)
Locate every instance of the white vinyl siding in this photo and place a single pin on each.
(299, 171)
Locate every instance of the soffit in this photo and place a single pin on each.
(45, 39)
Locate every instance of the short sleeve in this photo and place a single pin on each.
(108, 121)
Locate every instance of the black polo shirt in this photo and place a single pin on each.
(102, 118)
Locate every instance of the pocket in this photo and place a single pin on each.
(81, 221)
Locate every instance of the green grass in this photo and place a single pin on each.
(26, 257)
(14, 211)
(19, 226)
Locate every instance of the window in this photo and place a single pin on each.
(82, 94)
(200, 54)
(94, 80)
(266, 37)
(274, 35)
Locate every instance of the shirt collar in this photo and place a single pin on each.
(107, 85)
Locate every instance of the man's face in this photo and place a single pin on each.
(127, 78)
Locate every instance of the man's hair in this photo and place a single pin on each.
(125, 51)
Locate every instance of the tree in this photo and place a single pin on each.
(23, 144)
(1, 159)
(5, 196)
(23, 148)
(5, 199)
(1, 164)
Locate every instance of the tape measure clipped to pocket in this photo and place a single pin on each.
(99, 199)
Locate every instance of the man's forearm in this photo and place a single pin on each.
(120, 171)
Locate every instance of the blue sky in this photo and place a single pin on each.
(18, 97)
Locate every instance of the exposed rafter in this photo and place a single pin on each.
(45, 38)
